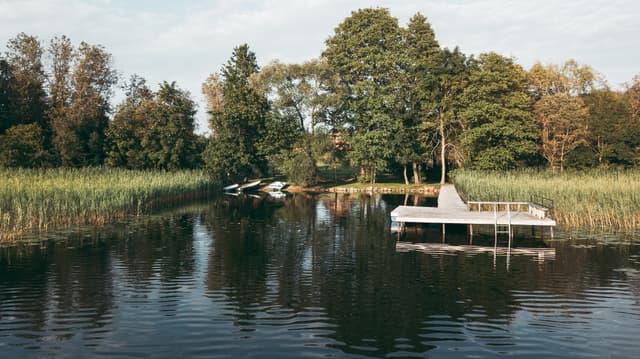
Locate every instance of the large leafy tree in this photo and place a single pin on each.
(129, 124)
(552, 87)
(62, 55)
(169, 141)
(24, 60)
(450, 81)
(613, 136)
(562, 118)
(300, 102)
(238, 122)
(80, 141)
(22, 146)
(6, 96)
(499, 132)
(297, 91)
(366, 51)
(421, 94)
(153, 130)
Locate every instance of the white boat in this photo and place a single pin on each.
(277, 194)
(230, 187)
(249, 186)
(277, 186)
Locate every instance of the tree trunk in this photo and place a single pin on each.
(404, 173)
(443, 152)
(417, 179)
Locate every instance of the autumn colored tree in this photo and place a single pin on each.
(569, 78)
(562, 118)
(632, 96)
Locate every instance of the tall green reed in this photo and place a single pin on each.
(604, 199)
(38, 199)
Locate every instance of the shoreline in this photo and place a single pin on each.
(430, 190)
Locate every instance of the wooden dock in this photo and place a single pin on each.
(452, 210)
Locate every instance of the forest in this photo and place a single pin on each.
(381, 98)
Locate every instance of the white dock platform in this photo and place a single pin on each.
(452, 210)
(407, 214)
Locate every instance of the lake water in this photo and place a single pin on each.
(313, 276)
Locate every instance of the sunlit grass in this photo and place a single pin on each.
(597, 199)
(38, 200)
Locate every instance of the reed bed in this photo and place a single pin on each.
(598, 199)
(38, 200)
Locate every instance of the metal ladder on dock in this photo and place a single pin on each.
(502, 228)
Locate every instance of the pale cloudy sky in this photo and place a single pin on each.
(187, 40)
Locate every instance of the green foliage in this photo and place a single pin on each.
(126, 130)
(80, 118)
(22, 146)
(169, 140)
(298, 91)
(26, 81)
(614, 137)
(421, 92)
(154, 130)
(234, 150)
(299, 166)
(6, 96)
(367, 55)
(499, 129)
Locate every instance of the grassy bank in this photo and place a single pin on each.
(597, 199)
(37, 200)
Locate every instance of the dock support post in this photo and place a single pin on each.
(444, 233)
(551, 230)
(470, 234)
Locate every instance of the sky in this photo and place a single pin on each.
(185, 41)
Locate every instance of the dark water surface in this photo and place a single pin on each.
(312, 277)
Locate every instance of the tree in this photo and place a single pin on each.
(298, 91)
(499, 132)
(367, 55)
(299, 103)
(613, 135)
(169, 140)
(82, 142)
(62, 55)
(24, 59)
(423, 55)
(569, 78)
(129, 124)
(451, 79)
(22, 146)
(562, 119)
(7, 96)
(632, 96)
(233, 152)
